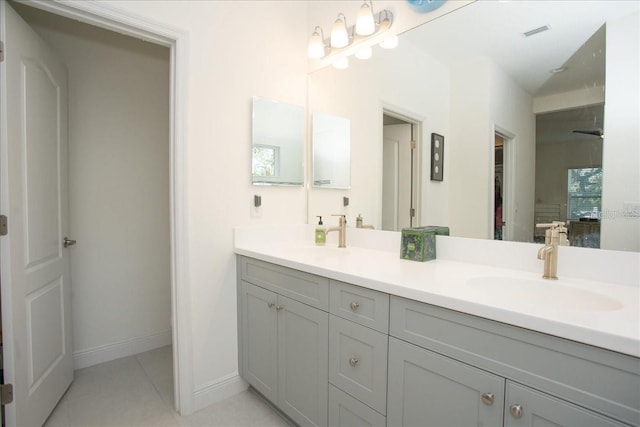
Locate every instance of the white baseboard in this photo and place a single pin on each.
(105, 353)
(218, 390)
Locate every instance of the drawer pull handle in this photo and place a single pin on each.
(271, 304)
(279, 307)
(353, 361)
(515, 410)
(487, 399)
(354, 306)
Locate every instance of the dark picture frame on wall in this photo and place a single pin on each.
(437, 157)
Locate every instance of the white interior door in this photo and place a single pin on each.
(36, 314)
(402, 134)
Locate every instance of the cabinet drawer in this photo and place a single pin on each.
(361, 305)
(298, 285)
(345, 411)
(526, 407)
(602, 380)
(358, 362)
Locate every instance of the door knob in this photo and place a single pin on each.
(68, 242)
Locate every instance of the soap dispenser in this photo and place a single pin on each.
(321, 233)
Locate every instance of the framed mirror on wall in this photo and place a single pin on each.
(331, 151)
(277, 143)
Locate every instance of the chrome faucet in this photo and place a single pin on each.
(555, 235)
(341, 229)
(359, 223)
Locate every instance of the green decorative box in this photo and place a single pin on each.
(419, 243)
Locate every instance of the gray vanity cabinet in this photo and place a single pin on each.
(443, 365)
(284, 342)
(429, 389)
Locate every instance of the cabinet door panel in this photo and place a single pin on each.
(541, 410)
(303, 335)
(428, 389)
(259, 324)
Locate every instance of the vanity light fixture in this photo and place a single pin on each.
(339, 34)
(390, 42)
(355, 40)
(316, 49)
(365, 23)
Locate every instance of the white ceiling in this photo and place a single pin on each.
(495, 28)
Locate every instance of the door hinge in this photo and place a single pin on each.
(4, 226)
(6, 394)
(412, 212)
(413, 144)
(1, 51)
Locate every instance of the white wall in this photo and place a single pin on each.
(235, 50)
(484, 99)
(118, 188)
(621, 151)
(360, 93)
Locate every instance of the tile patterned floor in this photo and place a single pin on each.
(138, 391)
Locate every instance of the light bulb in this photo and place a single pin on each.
(316, 46)
(390, 42)
(365, 24)
(341, 63)
(339, 35)
(364, 53)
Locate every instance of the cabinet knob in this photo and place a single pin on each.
(515, 410)
(271, 304)
(353, 361)
(487, 398)
(279, 307)
(354, 306)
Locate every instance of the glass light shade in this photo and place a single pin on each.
(341, 63)
(364, 53)
(365, 24)
(339, 34)
(316, 46)
(390, 42)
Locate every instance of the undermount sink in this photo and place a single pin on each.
(545, 294)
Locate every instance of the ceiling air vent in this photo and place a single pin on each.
(537, 30)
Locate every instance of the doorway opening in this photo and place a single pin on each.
(400, 171)
(502, 216)
(98, 18)
(498, 197)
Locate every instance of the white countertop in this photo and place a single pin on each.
(602, 314)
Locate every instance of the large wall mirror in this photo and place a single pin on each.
(277, 143)
(538, 104)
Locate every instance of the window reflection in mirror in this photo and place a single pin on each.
(278, 141)
(331, 151)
